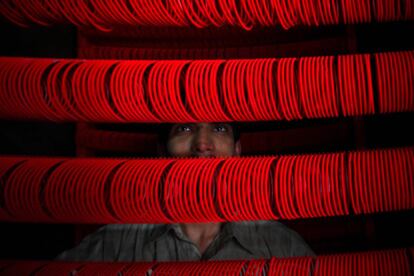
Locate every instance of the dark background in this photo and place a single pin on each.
(325, 235)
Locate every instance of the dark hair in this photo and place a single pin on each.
(236, 131)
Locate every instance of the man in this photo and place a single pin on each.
(186, 242)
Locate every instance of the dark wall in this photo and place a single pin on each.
(29, 240)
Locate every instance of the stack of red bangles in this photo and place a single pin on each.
(206, 90)
(356, 85)
(398, 82)
(374, 185)
(386, 262)
(105, 15)
(88, 190)
(391, 262)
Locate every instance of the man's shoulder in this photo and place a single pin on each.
(111, 242)
(274, 229)
(128, 229)
(280, 239)
(264, 226)
(268, 230)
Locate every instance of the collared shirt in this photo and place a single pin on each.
(149, 242)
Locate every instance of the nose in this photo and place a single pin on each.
(202, 143)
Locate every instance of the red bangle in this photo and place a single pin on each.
(214, 94)
(285, 92)
(312, 75)
(403, 83)
(351, 85)
(301, 186)
(311, 176)
(326, 186)
(333, 88)
(381, 82)
(237, 189)
(352, 182)
(294, 94)
(396, 81)
(223, 190)
(242, 190)
(238, 91)
(389, 83)
(207, 109)
(304, 86)
(343, 183)
(192, 95)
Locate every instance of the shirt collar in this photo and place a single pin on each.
(158, 232)
(239, 231)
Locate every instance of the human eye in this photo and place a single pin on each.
(221, 128)
(183, 128)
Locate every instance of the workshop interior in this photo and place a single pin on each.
(321, 91)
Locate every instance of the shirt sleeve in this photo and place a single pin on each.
(91, 248)
(298, 246)
(113, 242)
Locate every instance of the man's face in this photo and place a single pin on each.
(202, 140)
